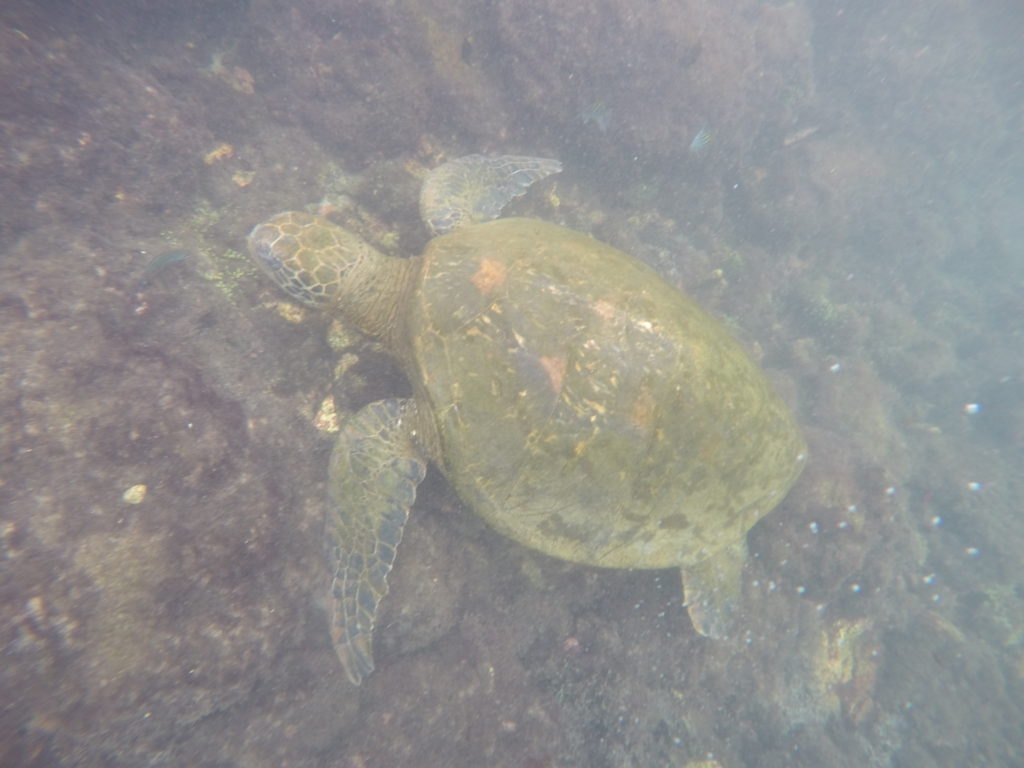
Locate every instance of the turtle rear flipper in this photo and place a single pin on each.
(474, 189)
(712, 589)
(375, 468)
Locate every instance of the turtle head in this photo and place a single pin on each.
(326, 267)
(303, 254)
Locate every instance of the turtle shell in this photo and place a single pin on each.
(586, 408)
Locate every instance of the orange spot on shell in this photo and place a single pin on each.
(555, 367)
(489, 275)
(605, 309)
(643, 409)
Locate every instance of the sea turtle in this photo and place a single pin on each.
(574, 399)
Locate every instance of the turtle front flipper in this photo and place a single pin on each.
(375, 468)
(712, 589)
(473, 189)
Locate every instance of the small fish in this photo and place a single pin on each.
(165, 259)
(598, 113)
(804, 133)
(160, 263)
(700, 140)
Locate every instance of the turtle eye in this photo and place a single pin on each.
(262, 242)
(265, 253)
